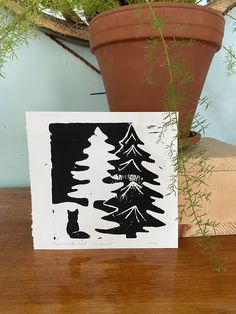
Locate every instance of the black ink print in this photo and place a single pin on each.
(130, 207)
(68, 143)
(73, 226)
(71, 152)
(151, 126)
(96, 168)
(94, 162)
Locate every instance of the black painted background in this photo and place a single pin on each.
(68, 140)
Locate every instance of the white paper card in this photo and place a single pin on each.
(100, 180)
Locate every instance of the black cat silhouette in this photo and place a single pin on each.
(73, 226)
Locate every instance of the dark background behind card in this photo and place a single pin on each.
(68, 140)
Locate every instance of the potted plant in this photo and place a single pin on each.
(189, 34)
(131, 40)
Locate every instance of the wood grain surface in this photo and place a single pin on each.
(106, 281)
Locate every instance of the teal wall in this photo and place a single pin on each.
(45, 77)
(221, 91)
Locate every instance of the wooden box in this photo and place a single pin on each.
(222, 184)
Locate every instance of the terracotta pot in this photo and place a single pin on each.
(118, 38)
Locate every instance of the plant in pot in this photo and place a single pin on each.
(187, 33)
(153, 56)
(131, 40)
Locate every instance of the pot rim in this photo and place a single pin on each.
(177, 5)
(120, 24)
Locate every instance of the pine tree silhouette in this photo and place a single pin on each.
(129, 208)
(90, 180)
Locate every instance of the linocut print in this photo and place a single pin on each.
(100, 180)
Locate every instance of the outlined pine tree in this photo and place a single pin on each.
(133, 201)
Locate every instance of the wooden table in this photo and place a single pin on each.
(106, 281)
